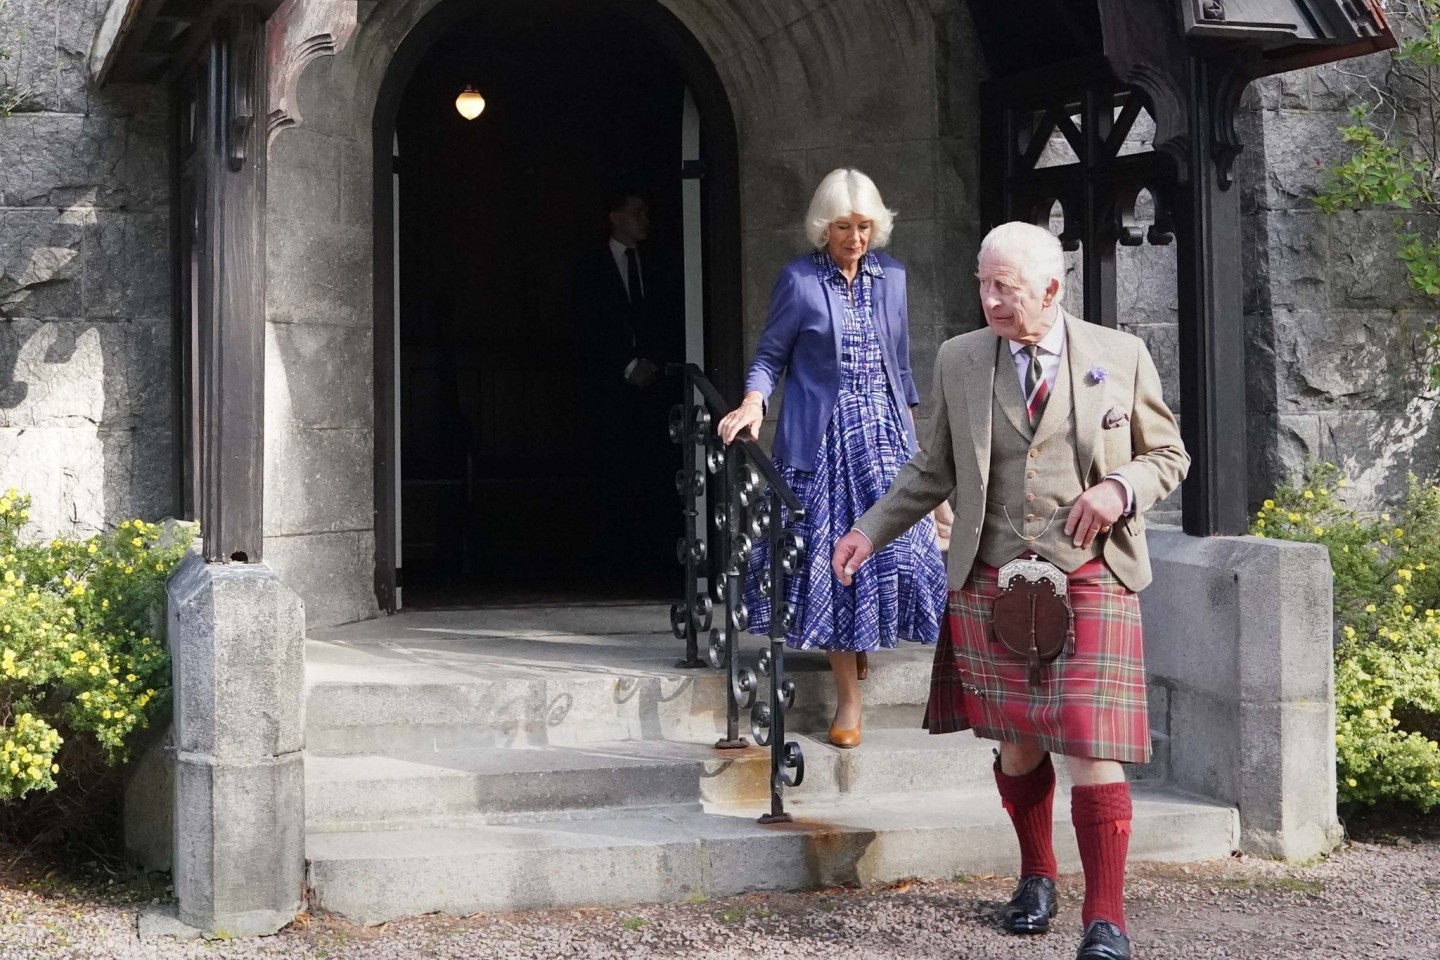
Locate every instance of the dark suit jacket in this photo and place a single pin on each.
(614, 330)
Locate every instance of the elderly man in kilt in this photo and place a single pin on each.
(1053, 437)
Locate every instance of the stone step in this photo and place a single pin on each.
(377, 698)
(678, 853)
(504, 784)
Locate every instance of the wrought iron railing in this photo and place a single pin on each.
(749, 499)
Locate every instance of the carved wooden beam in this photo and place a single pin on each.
(299, 32)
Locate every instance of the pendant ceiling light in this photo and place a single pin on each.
(469, 103)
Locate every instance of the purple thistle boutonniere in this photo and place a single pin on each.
(1097, 374)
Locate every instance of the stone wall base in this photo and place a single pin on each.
(1238, 637)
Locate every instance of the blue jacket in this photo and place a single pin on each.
(801, 341)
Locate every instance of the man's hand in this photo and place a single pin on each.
(944, 521)
(643, 374)
(851, 551)
(1095, 512)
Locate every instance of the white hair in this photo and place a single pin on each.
(845, 191)
(1036, 250)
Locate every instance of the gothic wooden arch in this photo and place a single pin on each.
(1085, 75)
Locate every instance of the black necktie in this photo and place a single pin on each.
(632, 275)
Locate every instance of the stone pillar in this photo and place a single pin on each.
(237, 642)
(1238, 643)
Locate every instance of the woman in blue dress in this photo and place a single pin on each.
(838, 333)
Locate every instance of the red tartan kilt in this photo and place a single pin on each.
(1089, 705)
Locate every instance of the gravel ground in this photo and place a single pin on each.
(1367, 901)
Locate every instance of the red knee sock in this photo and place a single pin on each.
(1029, 799)
(1101, 815)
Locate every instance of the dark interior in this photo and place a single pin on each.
(508, 490)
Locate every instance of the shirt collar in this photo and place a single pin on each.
(869, 263)
(617, 248)
(1053, 342)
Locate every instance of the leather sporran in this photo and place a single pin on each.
(1031, 616)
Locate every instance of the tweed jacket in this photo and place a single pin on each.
(954, 457)
(801, 342)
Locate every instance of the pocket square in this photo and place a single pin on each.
(1115, 417)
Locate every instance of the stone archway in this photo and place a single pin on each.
(886, 86)
(719, 256)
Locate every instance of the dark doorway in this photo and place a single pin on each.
(526, 474)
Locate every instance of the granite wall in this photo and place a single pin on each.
(86, 423)
(1336, 365)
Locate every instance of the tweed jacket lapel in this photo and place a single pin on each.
(980, 397)
(1057, 410)
(1087, 396)
(1007, 389)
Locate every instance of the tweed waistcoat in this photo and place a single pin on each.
(1034, 477)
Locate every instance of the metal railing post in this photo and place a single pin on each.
(752, 505)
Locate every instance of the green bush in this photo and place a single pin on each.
(1387, 633)
(82, 654)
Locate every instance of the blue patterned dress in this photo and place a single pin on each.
(900, 592)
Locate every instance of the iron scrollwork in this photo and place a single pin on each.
(749, 499)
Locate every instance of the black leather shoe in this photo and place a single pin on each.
(1103, 941)
(1032, 907)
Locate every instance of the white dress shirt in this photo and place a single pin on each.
(1051, 351)
(617, 250)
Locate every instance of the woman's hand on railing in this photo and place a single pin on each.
(745, 418)
(851, 551)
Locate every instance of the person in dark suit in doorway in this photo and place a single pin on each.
(621, 294)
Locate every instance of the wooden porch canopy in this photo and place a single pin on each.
(1082, 68)
(143, 41)
(1082, 71)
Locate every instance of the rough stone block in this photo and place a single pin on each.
(1364, 270)
(63, 469)
(1367, 443)
(1297, 259)
(63, 372)
(62, 161)
(40, 262)
(334, 573)
(1298, 145)
(127, 270)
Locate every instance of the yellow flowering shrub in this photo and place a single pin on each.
(1387, 633)
(82, 651)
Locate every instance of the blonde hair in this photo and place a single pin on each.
(1035, 249)
(845, 191)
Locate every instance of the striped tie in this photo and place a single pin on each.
(1037, 391)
